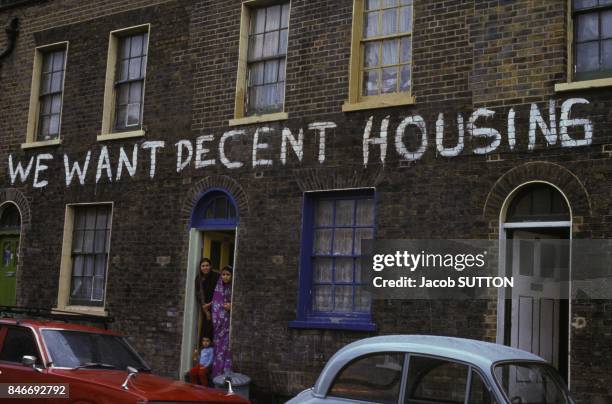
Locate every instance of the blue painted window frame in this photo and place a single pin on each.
(198, 216)
(306, 316)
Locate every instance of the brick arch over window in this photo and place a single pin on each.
(552, 173)
(217, 182)
(16, 197)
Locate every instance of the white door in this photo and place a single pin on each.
(537, 263)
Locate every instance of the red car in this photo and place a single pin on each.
(94, 366)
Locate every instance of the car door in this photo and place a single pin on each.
(15, 342)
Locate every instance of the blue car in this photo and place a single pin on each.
(424, 369)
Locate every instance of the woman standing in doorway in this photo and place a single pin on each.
(205, 283)
(221, 308)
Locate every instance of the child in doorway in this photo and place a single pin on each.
(201, 371)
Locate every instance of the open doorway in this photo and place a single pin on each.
(213, 235)
(536, 235)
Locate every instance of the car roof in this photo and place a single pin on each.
(39, 324)
(479, 353)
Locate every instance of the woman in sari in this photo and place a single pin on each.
(221, 308)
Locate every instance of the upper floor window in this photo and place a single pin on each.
(381, 54)
(262, 60)
(129, 83)
(592, 45)
(333, 286)
(125, 83)
(44, 118)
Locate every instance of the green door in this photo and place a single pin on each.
(8, 269)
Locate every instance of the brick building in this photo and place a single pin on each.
(137, 136)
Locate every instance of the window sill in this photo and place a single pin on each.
(41, 143)
(583, 85)
(333, 324)
(278, 116)
(379, 102)
(88, 310)
(120, 135)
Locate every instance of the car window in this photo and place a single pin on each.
(528, 383)
(432, 380)
(479, 392)
(18, 342)
(375, 378)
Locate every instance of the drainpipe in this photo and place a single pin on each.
(12, 30)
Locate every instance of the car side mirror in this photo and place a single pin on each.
(30, 361)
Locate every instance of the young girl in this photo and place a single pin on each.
(221, 307)
(205, 283)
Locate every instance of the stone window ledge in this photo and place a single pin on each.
(120, 135)
(88, 310)
(583, 85)
(379, 102)
(41, 143)
(278, 116)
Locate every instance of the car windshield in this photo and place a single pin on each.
(530, 383)
(72, 349)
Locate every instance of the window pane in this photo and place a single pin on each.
(271, 44)
(98, 291)
(54, 124)
(259, 24)
(389, 80)
(479, 393)
(45, 86)
(124, 47)
(77, 265)
(322, 270)
(257, 73)
(133, 114)
(322, 241)
(58, 61)
(343, 299)
(362, 234)
(607, 54)
(370, 82)
(324, 213)
(365, 212)
(134, 69)
(358, 381)
(101, 219)
(44, 126)
(372, 50)
(345, 211)
(88, 240)
(56, 82)
(405, 80)
(371, 28)
(121, 117)
(405, 19)
(273, 18)
(372, 4)
(285, 16)
(89, 265)
(283, 42)
(389, 21)
(389, 53)
(56, 104)
(281, 70)
(322, 298)
(344, 270)
(135, 92)
(343, 241)
(580, 4)
(436, 380)
(363, 299)
(47, 62)
(587, 27)
(100, 242)
(587, 57)
(359, 275)
(256, 47)
(45, 105)
(606, 24)
(100, 265)
(271, 71)
(406, 51)
(123, 68)
(137, 45)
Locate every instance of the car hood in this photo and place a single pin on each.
(149, 386)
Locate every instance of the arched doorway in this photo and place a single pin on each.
(10, 229)
(212, 234)
(535, 234)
